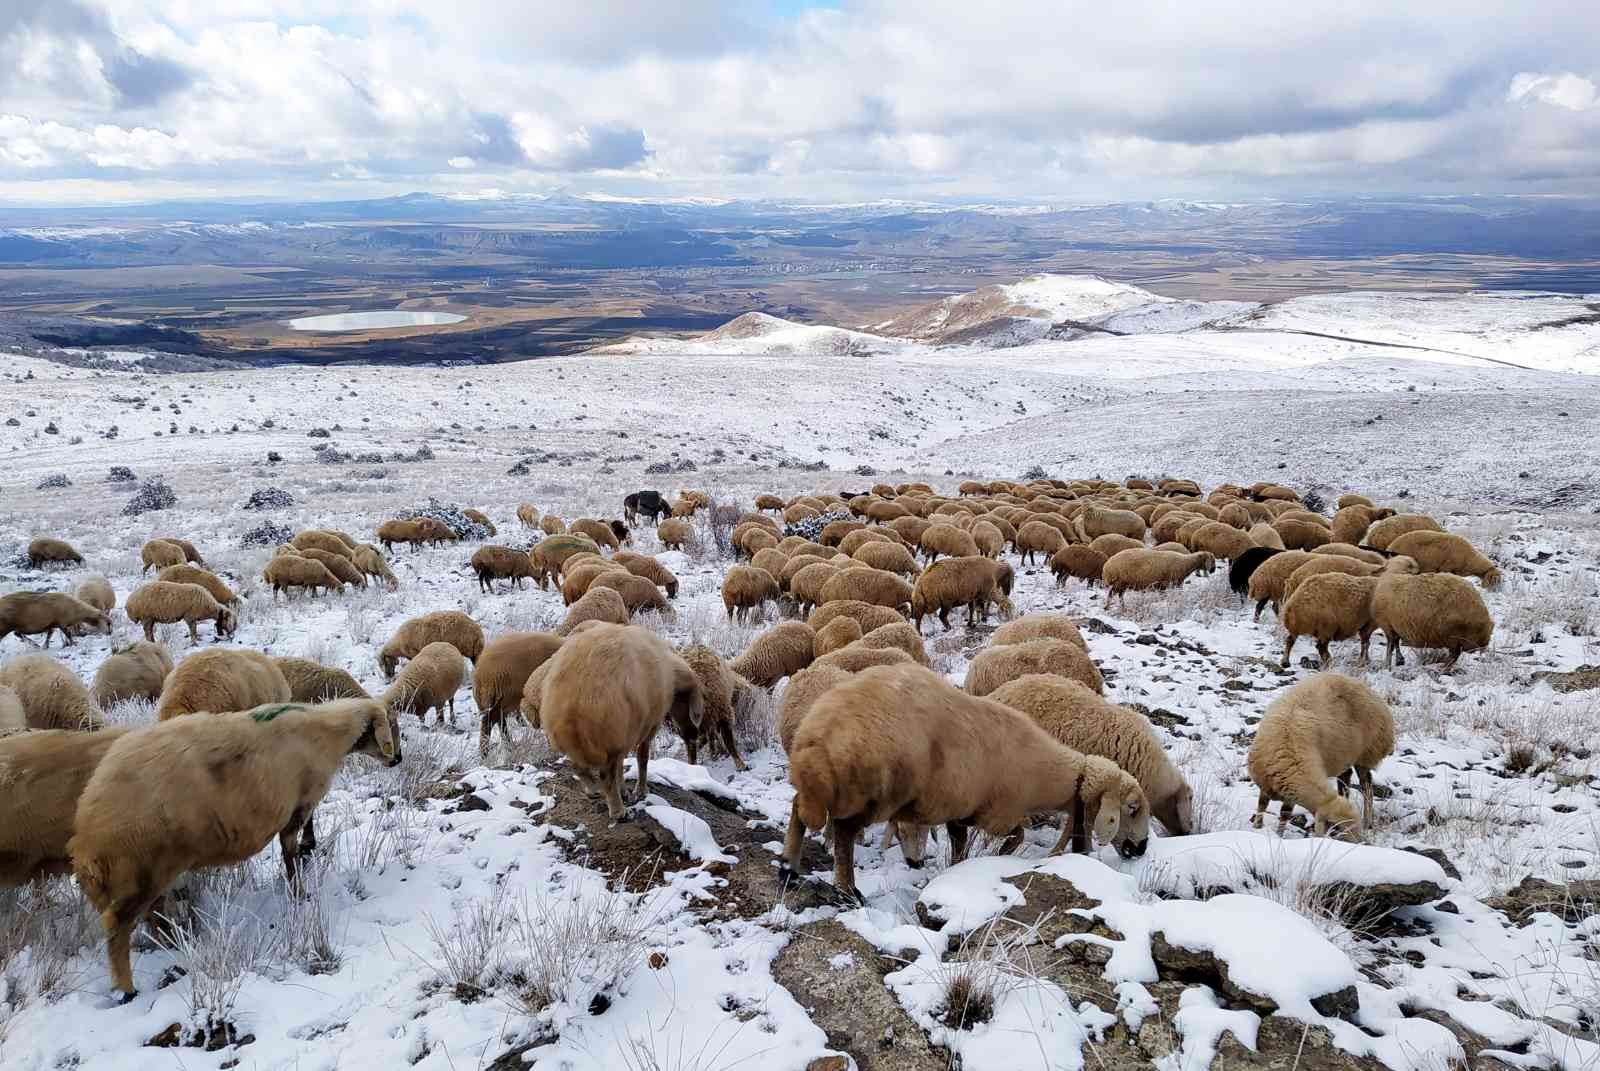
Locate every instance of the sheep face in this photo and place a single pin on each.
(913, 840)
(381, 738)
(1176, 813)
(99, 624)
(1338, 818)
(227, 622)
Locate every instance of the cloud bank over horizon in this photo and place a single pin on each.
(116, 100)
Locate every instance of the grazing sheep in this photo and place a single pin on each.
(410, 533)
(339, 565)
(1086, 722)
(807, 584)
(316, 539)
(747, 589)
(97, 592)
(160, 553)
(854, 658)
(552, 553)
(1346, 550)
(1352, 522)
(577, 580)
(800, 694)
(944, 539)
(1328, 607)
(1433, 610)
(1037, 537)
(1264, 535)
(890, 557)
(1150, 570)
(781, 651)
(136, 671)
(638, 594)
(1316, 730)
(1298, 534)
(45, 550)
(1244, 566)
(51, 695)
(719, 689)
(993, 666)
(551, 525)
(220, 680)
(989, 539)
(899, 635)
(1222, 541)
(193, 574)
(598, 604)
(28, 613)
(477, 516)
(369, 559)
(44, 773)
(1319, 564)
(652, 570)
(502, 675)
(207, 792)
(1094, 521)
(286, 572)
(854, 541)
(1442, 552)
(1346, 501)
(769, 501)
(868, 615)
(599, 531)
(868, 585)
(446, 626)
(313, 682)
(1076, 559)
(754, 538)
(605, 695)
(493, 562)
(837, 634)
(1038, 627)
(429, 681)
(527, 515)
(972, 582)
(1112, 542)
(898, 743)
(1266, 582)
(436, 531)
(163, 602)
(1385, 532)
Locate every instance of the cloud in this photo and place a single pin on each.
(1570, 91)
(83, 55)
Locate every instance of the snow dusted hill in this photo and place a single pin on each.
(1011, 314)
(758, 333)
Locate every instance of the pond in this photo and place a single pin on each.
(368, 321)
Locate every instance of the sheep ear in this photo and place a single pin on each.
(380, 730)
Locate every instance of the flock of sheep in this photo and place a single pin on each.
(872, 734)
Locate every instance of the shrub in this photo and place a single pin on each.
(120, 474)
(319, 433)
(811, 528)
(49, 482)
(153, 494)
(450, 516)
(268, 498)
(1035, 472)
(267, 534)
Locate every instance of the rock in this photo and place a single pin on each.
(829, 1063)
(1573, 901)
(170, 1038)
(1340, 1004)
(1372, 902)
(1192, 965)
(470, 801)
(1585, 678)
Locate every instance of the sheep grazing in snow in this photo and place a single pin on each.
(890, 557)
(576, 580)
(868, 585)
(1300, 534)
(1347, 550)
(193, 574)
(207, 792)
(160, 553)
(839, 633)
(1433, 610)
(1319, 564)
(898, 743)
(649, 568)
(747, 589)
(675, 533)
(52, 696)
(1264, 535)
(97, 592)
(221, 680)
(162, 602)
(29, 613)
(1086, 722)
(1353, 521)
(638, 594)
(447, 626)
(801, 694)
(1316, 730)
(781, 651)
(410, 533)
(1266, 582)
(806, 585)
(528, 515)
(1077, 560)
(326, 542)
(1037, 537)
(369, 559)
(1328, 607)
(1094, 521)
(47, 551)
(1150, 570)
(1442, 552)
(1384, 532)
(492, 562)
(313, 682)
(854, 658)
(339, 565)
(501, 675)
(605, 695)
(287, 572)
(1038, 627)
(994, 666)
(899, 635)
(973, 582)
(599, 531)
(720, 689)
(553, 551)
(429, 681)
(551, 525)
(597, 604)
(868, 615)
(136, 671)
(44, 773)
(477, 516)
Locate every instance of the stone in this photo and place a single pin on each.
(1573, 901)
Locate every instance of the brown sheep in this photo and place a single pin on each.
(552, 552)
(313, 682)
(807, 583)
(972, 582)
(136, 671)
(865, 614)
(477, 516)
(855, 658)
(1442, 552)
(1319, 564)
(436, 531)
(598, 604)
(221, 680)
(1036, 537)
(44, 773)
(1112, 542)
(339, 565)
(410, 533)
(501, 676)
(836, 634)
(43, 551)
(890, 557)
(190, 554)
(1094, 521)
(1222, 541)
(493, 562)
(769, 501)
(638, 594)
(781, 651)
(899, 635)
(527, 515)
(868, 585)
(369, 559)
(605, 695)
(1346, 550)
(1352, 522)
(801, 694)
(853, 541)
(1038, 627)
(446, 626)
(989, 539)
(51, 695)
(719, 689)
(1329, 607)
(1434, 610)
(1298, 534)
(675, 533)
(652, 570)
(193, 574)
(994, 666)
(286, 572)
(1150, 570)
(1077, 560)
(28, 613)
(1266, 583)
(550, 524)
(945, 539)
(746, 589)
(160, 553)
(576, 581)
(1353, 500)
(162, 602)
(599, 531)
(97, 592)
(835, 531)
(429, 681)
(327, 542)
(1384, 532)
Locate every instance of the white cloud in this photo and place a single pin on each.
(462, 163)
(1570, 91)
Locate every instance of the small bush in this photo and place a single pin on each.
(866, 470)
(811, 528)
(319, 433)
(153, 494)
(1035, 472)
(268, 498)
(120, 474)
(267, 534)
(450, 516)
(50, 482)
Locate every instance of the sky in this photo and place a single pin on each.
(1016, 100)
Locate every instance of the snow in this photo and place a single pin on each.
(1182, 866)
(1077, 297)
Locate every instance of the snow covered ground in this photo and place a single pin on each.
(466, 911)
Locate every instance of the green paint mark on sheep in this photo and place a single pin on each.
(266, 714)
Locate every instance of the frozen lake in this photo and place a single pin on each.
(367, 321)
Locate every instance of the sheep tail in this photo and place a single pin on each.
(814, 788)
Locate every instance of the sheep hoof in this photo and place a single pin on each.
(127, 998)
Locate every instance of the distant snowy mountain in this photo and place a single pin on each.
(756, 333)
(1010, 314)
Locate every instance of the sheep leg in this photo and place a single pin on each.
(1365, 774)
(844, 857)
(1012, 842)
(1366, 642)
(692, 746)
(1288, 645)
(1261, 605)
(726, 731)
(1322, 652)
(1080, 828)
(644, 770)
(793, 840)
(308, 836)
(944, 617)
(1343, 781)
(194, 634)
(47, 636)
(1455, 656)
(1392, 649)
(486, 730)
(119, 921)
(1285, 809)
(1067, 829)
(611, 786)
(452, 710)
(1261, 809)
(957, 832)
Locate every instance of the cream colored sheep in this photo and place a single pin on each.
(1353, 500)
(900, 635)
(890, 557)
(598, 604)
(772, 559)
(193, 574)
(1442, 552)
(1434, 610)
(971, 582)
(836, 634)
(46, 551)
(898, 741)
(638, 594)
(652, 570)
(1384, 532)
(221, 680)
(1328, 607)
(800, 694)
(501, 676)
(994, 666)
(1037, 537)
(136, 671)
(1094, 521)
(533, 688)
(339, 565)
(597, 530)
(552, 553)
(1112, 542)
(781, 651)
(1266, 583)
(327, 542)
(162, 602)
(286, 572)
(1150, 570)
(1352, 522)
(313, 682)
(1347, 550)
(1086, 722)
(429, 681)
(477, 516)
(1264, 535)
(96, 591)
(1319, 564)
(492, 562)
(528, 515)
(719, 690)
(207, 792)
(411, 533)
(944, 539)
(868, 585)
(447, 626)
(369, 559)
(854, 541)
(44, 773)
(576, 580)
(1077, 560)
(807, 584)
(160, 553)
(52, 696)
(550, 524)
(28, 613)
(1316, 730)
(1038, 627)
(1299, 534)
(854, 658)
(865, 614)
(675, 533)
(746, 589)
(605, 695)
